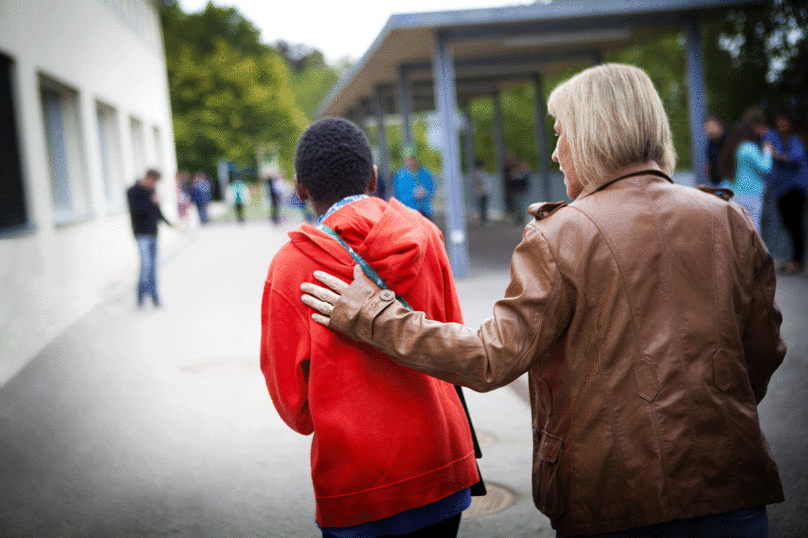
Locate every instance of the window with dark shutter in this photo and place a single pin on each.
(13, 211)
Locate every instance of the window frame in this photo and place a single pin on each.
(71, 200)
(13, 162)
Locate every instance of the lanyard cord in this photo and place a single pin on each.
(339, 205)
(366, 268)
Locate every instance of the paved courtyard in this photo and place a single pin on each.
(158, 423)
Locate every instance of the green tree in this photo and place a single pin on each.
(762, 52)
(312, 81)
(752, 57)
(229, 93)
(664, 60)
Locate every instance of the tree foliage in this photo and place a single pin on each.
(229, 92)
(752, 57)
(762, 53)
(312, 78)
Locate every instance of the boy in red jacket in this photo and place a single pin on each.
(392, 452)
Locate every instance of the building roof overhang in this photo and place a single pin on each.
(499, 47)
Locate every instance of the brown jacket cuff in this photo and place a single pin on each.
(356, 309)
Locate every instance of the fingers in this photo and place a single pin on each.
(321, 299)
(320, 292)
(320, 306)
(322, 320)
(331, 281)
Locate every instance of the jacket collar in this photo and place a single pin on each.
(637, 169)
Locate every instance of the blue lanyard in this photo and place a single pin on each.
(339, 205)
(368, 270)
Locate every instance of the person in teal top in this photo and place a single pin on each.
(413, 185)
(239, 195)
(746, 164)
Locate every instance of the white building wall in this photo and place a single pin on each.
(108, 51)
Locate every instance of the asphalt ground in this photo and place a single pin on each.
(157, 422)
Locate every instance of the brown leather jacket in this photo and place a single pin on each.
(644, 313)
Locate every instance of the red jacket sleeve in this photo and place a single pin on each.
(285, 355)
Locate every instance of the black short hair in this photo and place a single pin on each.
(333, 160)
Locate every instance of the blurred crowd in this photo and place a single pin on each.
(761, 162)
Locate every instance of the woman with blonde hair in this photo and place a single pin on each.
(643, 313)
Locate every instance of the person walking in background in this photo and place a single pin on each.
(144, 210)
(744, 163)
(274, 199)
(644, 313)
(183, 184)
(305, 210)
(201, 195)
(482, 186)
(239, 195)
(413, 185)
(517, 180)
(716, 137)
(788, 181)
(392, 451)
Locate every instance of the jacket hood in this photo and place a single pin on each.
(387, 235)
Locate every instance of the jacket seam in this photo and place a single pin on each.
(761, 288)
(571, 440)
(461, 459)
(680, 355)
(539, 317)
(613, 421)
(719, 344)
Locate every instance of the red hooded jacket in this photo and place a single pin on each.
(386, 438)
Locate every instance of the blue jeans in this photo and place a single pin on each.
(747, 523)
(202, 209)
(147, 285)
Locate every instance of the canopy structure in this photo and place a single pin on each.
(441, 60)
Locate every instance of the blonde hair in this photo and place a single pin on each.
(613, 117)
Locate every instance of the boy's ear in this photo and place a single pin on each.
(301, 191)
(373, 182)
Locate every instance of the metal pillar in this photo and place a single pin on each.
(405, 107)
(468, 144)
(541, 137)
(381, 140)
(361, 115)
(499, 145)
(696, 100)
(446, 101)
(468, 153)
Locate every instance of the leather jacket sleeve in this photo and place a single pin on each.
(763, 347)
(534, 313)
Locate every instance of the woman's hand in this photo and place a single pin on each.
(323, 299)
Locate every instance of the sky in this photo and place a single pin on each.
(343, 28)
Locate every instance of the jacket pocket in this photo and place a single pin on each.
(546, 479)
